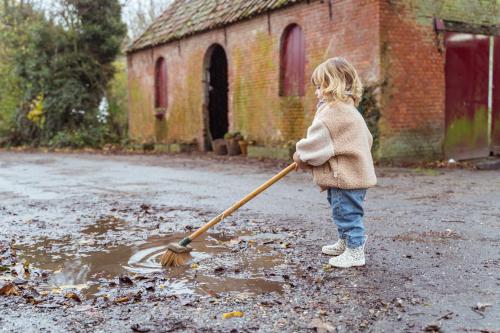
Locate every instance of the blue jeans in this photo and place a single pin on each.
(347, 210)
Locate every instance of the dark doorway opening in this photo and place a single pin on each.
(216, 81)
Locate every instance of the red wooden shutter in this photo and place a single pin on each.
(161, 83)
(292, 62)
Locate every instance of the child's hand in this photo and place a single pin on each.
(299, 163)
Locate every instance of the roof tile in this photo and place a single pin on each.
(187, 17)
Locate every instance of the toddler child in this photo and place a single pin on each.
(337, 148)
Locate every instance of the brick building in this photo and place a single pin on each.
(431, 68)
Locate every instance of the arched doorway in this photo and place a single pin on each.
(216, 91)
(161, 83)
(292, 62)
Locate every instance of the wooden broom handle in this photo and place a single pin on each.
(243, 201)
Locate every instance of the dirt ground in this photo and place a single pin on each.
(81, 235)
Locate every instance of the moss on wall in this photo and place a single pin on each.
(465, 133)
(255, 103)
(292, 123)
(485, 12)
(184, 113)
(140, 122)
(258, 110)
(409, 145)
(241, 99)
(161, 129)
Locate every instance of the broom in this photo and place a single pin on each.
(178, 253)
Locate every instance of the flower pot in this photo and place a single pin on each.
(233, 147)
(243, 146)
(219, 147)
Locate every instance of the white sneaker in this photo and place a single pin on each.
(350, 258)
(335, 249)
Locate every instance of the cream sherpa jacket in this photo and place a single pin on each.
(338, 147)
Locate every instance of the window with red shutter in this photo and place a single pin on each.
(160, 83)
(292, 62)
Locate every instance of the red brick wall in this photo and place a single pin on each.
(412, 122)
(252, 48)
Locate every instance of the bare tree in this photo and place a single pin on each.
(138, 14)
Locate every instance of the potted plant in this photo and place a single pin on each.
(219, 147)
(243, 145)
(232, 139)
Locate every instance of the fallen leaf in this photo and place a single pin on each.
(219, 270)
(194, 266)
(10, 289)
(122, 299)
(73, 296)
(433, 327)
(26, 267)
(32, 300)
(228, 315)
(123, 279)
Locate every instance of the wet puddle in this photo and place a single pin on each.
(220, 263)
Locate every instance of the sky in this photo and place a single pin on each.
(137, 14)
(134, 10)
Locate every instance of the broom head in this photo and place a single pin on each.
(176, 255)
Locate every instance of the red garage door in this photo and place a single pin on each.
(495, 124)
(467, 72)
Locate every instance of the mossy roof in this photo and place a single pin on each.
(187, 17)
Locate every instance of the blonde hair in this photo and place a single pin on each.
(337, 79)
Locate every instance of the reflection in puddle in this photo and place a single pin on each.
(74, 264)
